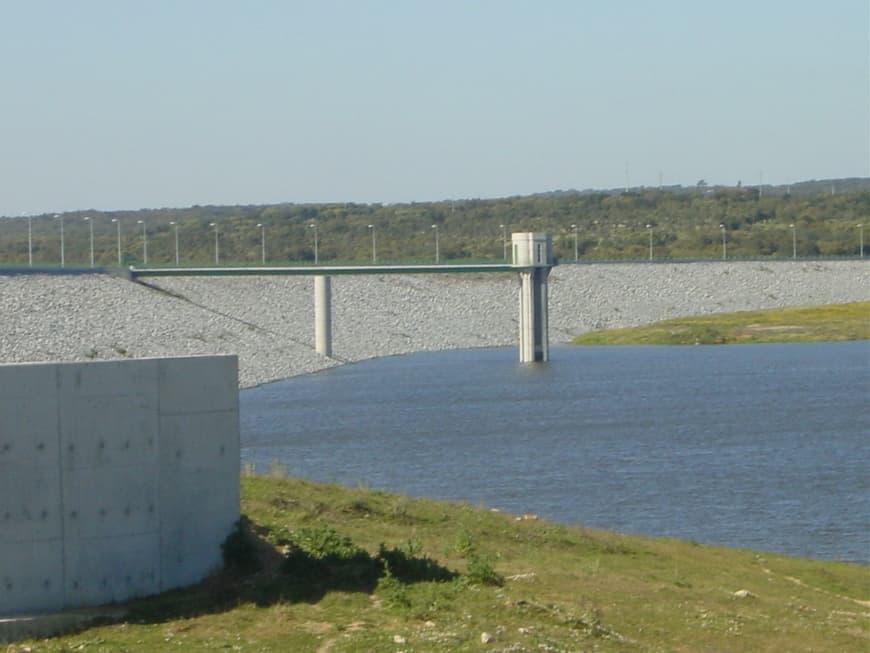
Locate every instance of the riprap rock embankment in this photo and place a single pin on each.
(268, 321)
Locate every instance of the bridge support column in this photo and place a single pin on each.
(534, 334)
(533, 255)
(323, 315)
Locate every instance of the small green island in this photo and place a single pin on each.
(321, 568)
(794, 324)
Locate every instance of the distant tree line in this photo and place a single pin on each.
(691, 224)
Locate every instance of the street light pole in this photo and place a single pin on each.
(793, 242)
(313, 225)
(90, 222)
(503, 242)
(574, 227)
(724, 246)
(437, 249)
(118, 229)
(144, 240)
(861, 239)
(217, 252)
(262, 243)
(649, 228)
(62, 258)
(175, 228)
(374, 245)
(30, 240)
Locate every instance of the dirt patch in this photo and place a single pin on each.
(327, 645)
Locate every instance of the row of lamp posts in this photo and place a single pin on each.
(371, 228)
(174, 225)
(649, 227)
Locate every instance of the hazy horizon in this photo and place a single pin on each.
(614, 190)
(114, 106)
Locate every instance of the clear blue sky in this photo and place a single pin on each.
(116, 104)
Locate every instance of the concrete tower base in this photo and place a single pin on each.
(534, 336)
(533, 259)
(323, 315)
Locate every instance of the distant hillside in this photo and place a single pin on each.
(675, 222)
(811, 187)
(832, 186)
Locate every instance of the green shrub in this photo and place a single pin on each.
(239, 550)
(323, 558)
(481, 571)
(464, 543)
(324, 541)
(410, 566)
(393, 592)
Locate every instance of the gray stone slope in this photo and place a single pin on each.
(268, 321)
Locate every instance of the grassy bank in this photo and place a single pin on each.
(322, 568)
(796, 324)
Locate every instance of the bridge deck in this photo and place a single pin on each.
(319, 270)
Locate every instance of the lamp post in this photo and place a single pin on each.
(503, 242)
(62, 259)
(437, 249)
(724, 246)
(793, 242)
(90, 222)
(175, 228)
(374, 244)
(313, 225)
(262, 243)
(217, 251)
(144, 240)
(118, 230)
(649, 228)
(574, 227)
(597, 236)
(30, 240)
(861, 240)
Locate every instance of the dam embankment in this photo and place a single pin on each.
(268, 321)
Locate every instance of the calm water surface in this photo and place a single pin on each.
(761, 446)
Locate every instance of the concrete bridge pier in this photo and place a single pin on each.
(533, 256)
(534, 340)
(323, 315)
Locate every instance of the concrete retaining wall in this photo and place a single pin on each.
(117, 479)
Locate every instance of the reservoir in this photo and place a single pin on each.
(758, 446)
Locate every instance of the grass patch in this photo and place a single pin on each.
(316, 567)
(795, 324)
